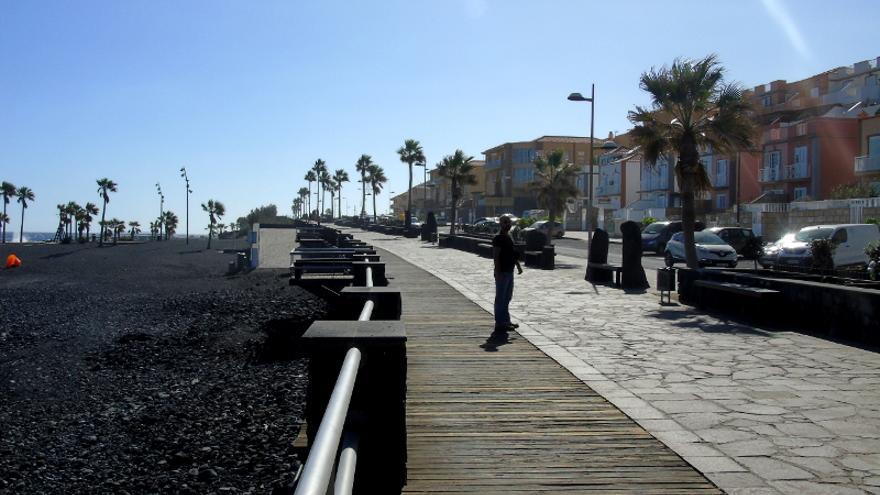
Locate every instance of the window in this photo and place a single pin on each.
(767, 100)
(721, 173)
(801, 129)
(721, 201)
(839, 237)
(814, 92)
(874, 145)
(800, 192)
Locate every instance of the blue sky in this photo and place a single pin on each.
(247, 95)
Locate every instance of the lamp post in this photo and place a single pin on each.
(188, 192)
(161, 209)
(589, 181)
(424, 165)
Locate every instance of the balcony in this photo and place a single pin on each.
(867, 164)
(796, 171)
(770, 174)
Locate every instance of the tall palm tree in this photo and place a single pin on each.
(70, 209)
(80, 216)
(303, 198)
(319, 168)
(7, 190)
(692, 108)
(135, 228)
(411, 152)
(363, 166)
(90, 209)
(457, 168)
(4, 220)
(554, 182)
(24, 194)
(310, 177)
(215, 210)
(62, 215)
(339, 177)
(326, 185)
(117, 226)
(105, 187)
(377, 179)
(170, 221)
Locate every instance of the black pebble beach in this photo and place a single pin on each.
(144, 368)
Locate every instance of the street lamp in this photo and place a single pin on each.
(161, 209)
(188, 192)
(424, 165)
(589, 181)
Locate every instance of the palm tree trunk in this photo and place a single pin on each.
(103, 225)
(3, 225)
(363, 195)
(309, 203)
(408, 220)
(21, 232)
(339, 209)
(210, 234)
(688, 216)
(375, 217)
(454, 213)
(332, 196)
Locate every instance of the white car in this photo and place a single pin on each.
(554, 229)
(711, 250)
(849, 244)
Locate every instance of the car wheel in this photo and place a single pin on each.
(670, 260)
(732, 264)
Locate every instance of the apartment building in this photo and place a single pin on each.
(510, 171)
(867, 164)
(619, 176)
(471, 203)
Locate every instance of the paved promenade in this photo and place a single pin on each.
(757, 412)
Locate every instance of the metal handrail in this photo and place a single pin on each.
(319, 466)
(318, 470)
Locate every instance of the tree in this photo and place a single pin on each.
(7, 190)
(411, 152)
(554, 182)
(215, 210)
(80, 216)
(331, 186)
(692, 108)
(376, 179)
(4, 220)
(118, 227)
(62, 215)
(90, 209)
(135, 228)
(457, 168)
(310, 177)
(858, 189)
(24, 194)
(339, 177)
(105, 187)
(363, 166)
(319, 168)
(70, 209)
(170, 220)
(304, 197)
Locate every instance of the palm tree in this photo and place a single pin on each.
(457, 168)
(310, 177)
(24, 194)
(554, 182)
(90, 209)
(135, 228)
(7, 189)
(105, 187)
(692, 108)
(154, 229)
(377, 179)
(303, 197)
(79, 215)
(327, 185)
(4, 220)
(118, 227)
(215, 210)
(320, 168)
(170, 220)
(339, 177)
(363, 166)
(410, 153)
(70, 209)
(62, 215)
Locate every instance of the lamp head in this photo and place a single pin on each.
(578, 97)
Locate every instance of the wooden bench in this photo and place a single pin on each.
(606, 267)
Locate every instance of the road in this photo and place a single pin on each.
(578, 249)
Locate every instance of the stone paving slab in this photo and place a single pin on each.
(756, 411)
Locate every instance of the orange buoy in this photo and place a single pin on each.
(13, 261)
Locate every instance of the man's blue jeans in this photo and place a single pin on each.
(503, 295)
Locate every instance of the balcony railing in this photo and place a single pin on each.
(770, 174)
(796, 171)
(867, 163)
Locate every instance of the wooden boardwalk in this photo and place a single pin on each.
(508, 419)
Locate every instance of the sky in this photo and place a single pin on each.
(248, 94)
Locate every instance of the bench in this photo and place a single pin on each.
(544, 259)
(606, 267)
(336, 266)
(744, 293)
(485, 249)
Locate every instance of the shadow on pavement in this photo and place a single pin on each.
(688, 319)
(496, 340)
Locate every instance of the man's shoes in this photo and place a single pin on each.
(514, 325)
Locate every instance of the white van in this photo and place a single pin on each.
(850, 241)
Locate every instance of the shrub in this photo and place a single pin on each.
(873, 250)
(822, 252)
(875, 221)
(526, 222)
(647, 221)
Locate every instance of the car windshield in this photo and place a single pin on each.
(811, 234)
(708, 238)
(785, 239)
(654, 228)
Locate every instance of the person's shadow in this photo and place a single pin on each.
(496, 340)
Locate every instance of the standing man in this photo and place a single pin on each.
(505, 258)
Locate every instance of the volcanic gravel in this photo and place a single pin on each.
(144, 368)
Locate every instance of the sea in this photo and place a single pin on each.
(30, 236)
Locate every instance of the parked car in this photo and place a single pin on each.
(849, 242)
(738, 237)
(656, 235)
(711, 250)
(771, 250)
(548, 228)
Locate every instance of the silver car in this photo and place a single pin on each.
(711, 250)
(550, 229)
